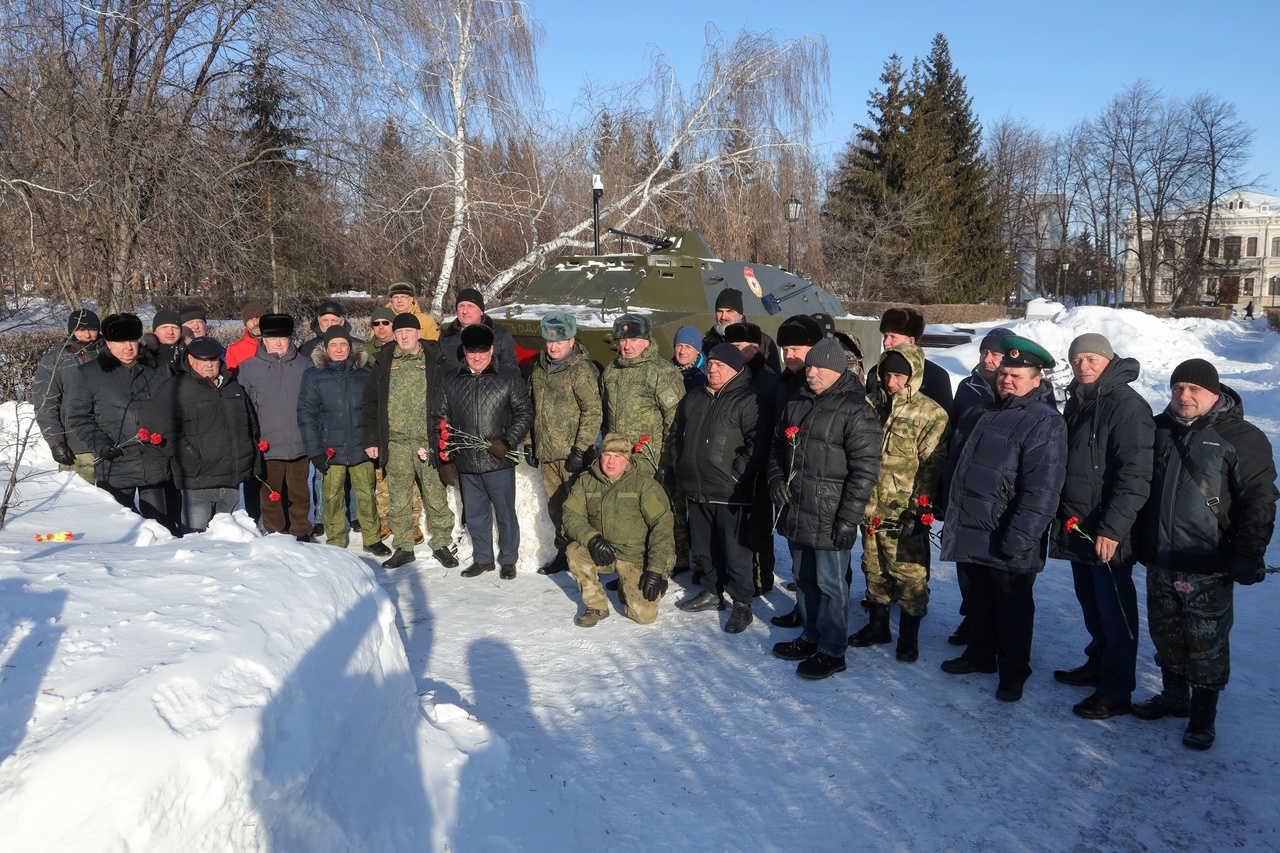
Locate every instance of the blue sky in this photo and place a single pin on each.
(1051, 64)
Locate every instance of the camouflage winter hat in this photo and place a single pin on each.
(615, 443)
(558, 326)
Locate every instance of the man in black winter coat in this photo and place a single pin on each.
(1205, 528)
(489, 403)
(1003, 497)
(721, 443)
(1109, 437)
(48, 392)
(825, 462)
(210, 434)
(470, 312)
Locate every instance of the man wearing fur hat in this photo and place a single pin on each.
(641, 393)
(906, 326)
(108, 399)
(395, 423)
(1003, 498)
(48, 392)
(403, 299)
(248, 343)
(488, 400)
(470, 311)
(824, 464)
(1205, 528)
(329, 414)
(1109, 439)
(729, 310)
(618, 519)
(565, 388)
(210, 434)
(895, 545)
(273, 379)
(720, 444)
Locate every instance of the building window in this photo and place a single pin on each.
(1247, 288)
(1251, 248)
(1166, 287)
(1275, 247)
(1215, 246)
(1231, 249)
(1275, 286)
(1210, 286)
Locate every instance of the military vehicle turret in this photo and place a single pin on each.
(675, 284)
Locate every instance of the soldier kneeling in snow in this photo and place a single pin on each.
(618, 519)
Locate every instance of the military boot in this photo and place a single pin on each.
(908, 637)
(875, 632)
(1169, 702)
(1204, 713)
(590, 618)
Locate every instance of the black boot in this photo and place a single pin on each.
(908, 637)
(875, 632)
(559, 564)
(1204, 712)
(1170, 702)
(788, 620)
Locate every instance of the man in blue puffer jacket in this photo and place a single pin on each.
(329, 410)
(1003, 497)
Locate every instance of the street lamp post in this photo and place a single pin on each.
(597, 190)
(1062, 284)
(793, 213)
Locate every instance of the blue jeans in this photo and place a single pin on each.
(1109, 604)
(822, 597)
(199, 506)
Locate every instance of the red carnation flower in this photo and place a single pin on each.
(144, 434)
(923, 500)
(274, 496)
(330, 453)
(156, 438)
(1071, 523)
(927, 519)
(875, 523)
(263, 445)
(791, 431)
(444, 445)
(444, 456)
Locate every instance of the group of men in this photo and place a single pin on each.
(656, 465)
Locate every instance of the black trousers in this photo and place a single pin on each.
(718, 534)
(152, 502)
(1002, 614)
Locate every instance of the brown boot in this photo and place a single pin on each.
(590, 618)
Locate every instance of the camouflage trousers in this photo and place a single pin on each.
(382, 500)
(408, 475)
(83, 466)
(557, 480)
(897, 570)
(587, 574)
(680, 509)
(333, 496)
(1190, 618)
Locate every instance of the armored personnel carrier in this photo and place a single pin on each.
(675, 284)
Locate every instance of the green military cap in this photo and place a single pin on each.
(558, 326)
(1024, 352)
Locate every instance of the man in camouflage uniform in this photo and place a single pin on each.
(382, 336)
(1205, 528)
(618, 519)
(641, 393)
(82, 345)
(895, 551)
(565, 389)
(396, 429)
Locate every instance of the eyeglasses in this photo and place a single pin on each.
(382, 322)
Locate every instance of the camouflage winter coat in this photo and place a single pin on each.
(914, 449)
(632, 513)
(566, 406)
(641, 395)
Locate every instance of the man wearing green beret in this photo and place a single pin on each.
(565, 389)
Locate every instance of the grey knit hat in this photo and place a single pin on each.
(829, 354)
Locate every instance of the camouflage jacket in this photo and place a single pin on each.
(641, 396)
(566, 406)
(914, 447)
(632, 513)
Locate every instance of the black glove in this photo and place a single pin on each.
(529, 457)
(1245, 571)
(843, 535)
(576, 462)
(112, 453)
(499, 448)
(910, 526)
(448, 474)
(321, 463)
(652, 585)
(601, 551)
(62, 454)
(779, 493)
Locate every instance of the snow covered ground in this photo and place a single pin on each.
(235, 692)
